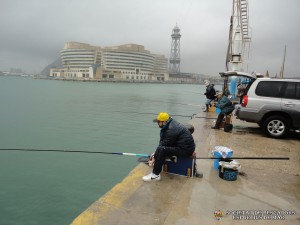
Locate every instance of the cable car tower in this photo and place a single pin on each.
(239, 37)
(174, 66)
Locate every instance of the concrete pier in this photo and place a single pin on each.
(268, 192)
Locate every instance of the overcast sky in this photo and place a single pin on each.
(34, 31)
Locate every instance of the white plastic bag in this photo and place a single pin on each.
(233, 164)
(225, 152)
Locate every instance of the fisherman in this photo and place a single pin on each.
(175, 140)
(210, 94)
(226, 107)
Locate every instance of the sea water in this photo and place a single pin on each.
(53, 188)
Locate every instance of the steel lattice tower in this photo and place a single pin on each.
(174, 66)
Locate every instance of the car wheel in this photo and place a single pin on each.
(276, 126)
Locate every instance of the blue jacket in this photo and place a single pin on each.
(225, 105)
(174, 134)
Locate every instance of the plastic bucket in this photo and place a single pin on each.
(228, 174)
(218, 155)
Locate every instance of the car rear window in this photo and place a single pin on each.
(269, 89)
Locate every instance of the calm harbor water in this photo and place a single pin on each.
(53, 188)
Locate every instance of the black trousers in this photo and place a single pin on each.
(220, 119)
(163, 152)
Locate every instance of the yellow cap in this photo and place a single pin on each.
(163, 117)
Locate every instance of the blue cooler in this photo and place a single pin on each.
(180, 166)
(218, 155)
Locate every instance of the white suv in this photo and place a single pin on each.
(272, 103)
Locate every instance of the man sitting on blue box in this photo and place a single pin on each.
(175, 140)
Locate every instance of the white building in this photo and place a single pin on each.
(79, 55)
(72, 73)
(124, 62)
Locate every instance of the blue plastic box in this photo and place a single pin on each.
(218, 155)
(180, 166)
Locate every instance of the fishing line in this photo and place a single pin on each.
(177, 103)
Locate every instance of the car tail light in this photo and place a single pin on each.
(245, 100)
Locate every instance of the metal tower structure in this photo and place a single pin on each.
(174, 66)
(239, 37)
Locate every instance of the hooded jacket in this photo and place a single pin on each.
(174, 134)
(210, 91)
(225, 105)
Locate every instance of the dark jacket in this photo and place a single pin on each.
(225, 105)
(210, 91)
(174, 134)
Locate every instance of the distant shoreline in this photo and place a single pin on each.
(123, 81)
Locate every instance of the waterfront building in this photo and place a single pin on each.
(124, 62)
(79, 60)
(79, 55)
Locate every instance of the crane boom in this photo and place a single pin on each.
(239, 37)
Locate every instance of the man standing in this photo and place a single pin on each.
(175, 140)
(210, 94)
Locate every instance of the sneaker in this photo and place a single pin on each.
(151, 177)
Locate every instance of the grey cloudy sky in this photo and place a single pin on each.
(34, 31)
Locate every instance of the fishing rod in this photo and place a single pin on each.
(202, 117)
(146, 113)
(129, 154)
(263, 158)
(73, 151)
(144, 159)
(192, 116)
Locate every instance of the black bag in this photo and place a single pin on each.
(228, 127)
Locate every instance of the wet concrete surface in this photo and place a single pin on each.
(267, 188)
